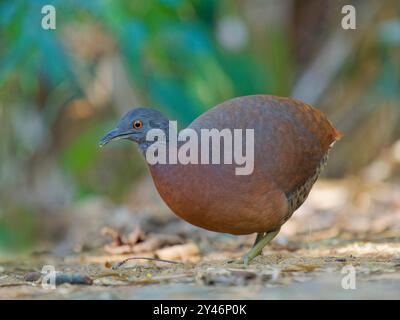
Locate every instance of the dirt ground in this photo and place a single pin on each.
(342, 244)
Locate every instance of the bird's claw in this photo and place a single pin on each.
(243, 260)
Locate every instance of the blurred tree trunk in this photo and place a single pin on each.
(310, 25)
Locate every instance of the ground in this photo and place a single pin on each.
(343, 243)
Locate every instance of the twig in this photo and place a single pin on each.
(118, 265)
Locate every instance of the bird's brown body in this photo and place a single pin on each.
(291, 143)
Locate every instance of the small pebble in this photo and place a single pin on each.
(32, 276)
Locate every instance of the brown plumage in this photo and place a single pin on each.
(292, 140)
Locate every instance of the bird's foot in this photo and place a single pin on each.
(261, 241)
(232, 261)
(243, 260)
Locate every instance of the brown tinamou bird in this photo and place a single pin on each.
(291, 144)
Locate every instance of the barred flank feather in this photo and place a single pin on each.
(300, 194)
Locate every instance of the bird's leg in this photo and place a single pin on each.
(258, 238)
(262, 240)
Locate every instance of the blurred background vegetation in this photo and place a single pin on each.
(60, 90)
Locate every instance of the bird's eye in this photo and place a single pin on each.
(137, 124)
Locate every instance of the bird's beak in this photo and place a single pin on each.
(114, 134)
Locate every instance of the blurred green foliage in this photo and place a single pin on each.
(169, 48)
(170, 51)
(18, 229)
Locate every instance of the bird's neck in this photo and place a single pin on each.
(143, 146)
(167, 151)
(169, 166)
(169, 139)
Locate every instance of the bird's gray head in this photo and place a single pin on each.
(134, 126)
